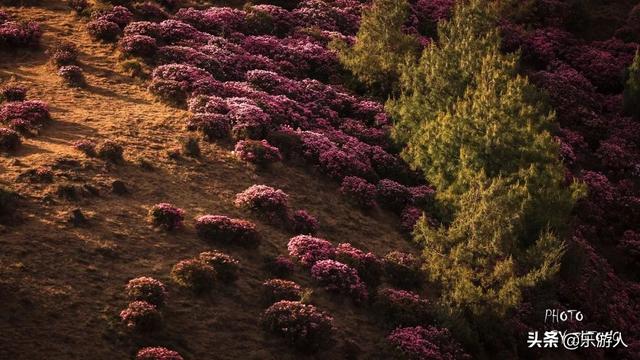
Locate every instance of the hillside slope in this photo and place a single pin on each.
(62, 287)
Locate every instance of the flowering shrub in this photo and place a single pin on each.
(14, 34)
(214, 20)
(25, 115)
(9, 140)
(194, 274)
(157, 353)
(275, 290)
(270, 202)
(150, 11)
(402, 269)
(213, 126)
(308, 249)
(303, 326)
(13, 93)
(110, 151)
(141, 316)
(227, 230)
(359, 191)
(301, 222)
(257, 152)
(138, 45)
(409, 218)
(103, 30)
(268, 19)
(119, 15)
(64, 54)
(147, 289)
(280, 266)
(145, 28)
(401, 307)
(338, 277)
(166, 216)
(416, 343)
(422, 196)
(368, 265)
(393, 195)
(88, 147)
(72, 75)
(226, 266)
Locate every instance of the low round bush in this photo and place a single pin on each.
(147, 289)
(303, 326)
(212, 126)
(138, 45)
(157, 353)
(301, 222)
(338, 277)
(409, 217)
(25, 115)
(308, 249)
(88, 147)
(119, 15)
(223, 229)
(258, 152)
(110, 151)
(72, 75)
(418, 343)
(9, 140)
(13, 93)
(65, 54)
(367, 264)
(226, 266)
(103, 30)
(401, 307)
(16, 34)
(194, 274)
(393, 195)
(141, 316)
(270, 202)
(360, 191)
(275, 290)
(402, 269)
(280, 266)
(166, 216)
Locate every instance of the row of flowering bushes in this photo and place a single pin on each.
(19, 115)
(17, 34)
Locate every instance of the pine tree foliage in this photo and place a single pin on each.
(632, 88)
(380, 47)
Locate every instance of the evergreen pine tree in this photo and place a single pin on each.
(632, 88)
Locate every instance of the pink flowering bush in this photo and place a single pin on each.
(409, 218)
(157, 353)
(214, 20)
(258, 152)
(138, 45)
(367, 264)
(226, 266)
(141, 316)
(166, 216)
(25, 115)
(223, 229)
(265, 200)
(212, 126)
(301, 222)
(275, 290)
(194, 274)
(64, 54)
(72, 75)
(402, 269)
(146, 289)
(9, 140)
(358, 190)
(204, 104)
(338, 277)
(15, 34)
(417, 343)
(280, 266)
(103, 30)
(303, 326)
(401, 307)
(119, 15)
(393, 195)
(308, 249)
(87, 147)
(144, 28)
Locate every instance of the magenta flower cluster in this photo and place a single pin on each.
(25, 115)
(338, 277)
(417, 343)
(308, 249)
(16, 34)
(259, 152)
(368, 265)
(265, 200)
(157, 353)
(226, 230)
(141, 316)
(166, 216)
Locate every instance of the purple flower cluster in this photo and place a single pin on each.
(367, 264)
(72, 75)
(308, 249)
(259, 152)
(138, 45)
(15, 34)
(360, 191)
(141, 316)
(265, 200)
(303, 326)
(157, 353)
(25, 115)
(338, 277)
(301, 222)
(417, 343)
(393, 195)
(103, 30)
(118, 15)
(166, 216)
(226, 230)
(401, 307)
(65, 54)
(146, 289)
(275, 290)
